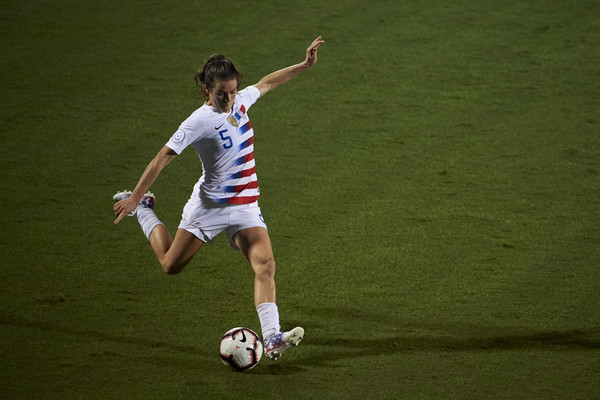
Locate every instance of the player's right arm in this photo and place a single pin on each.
(162, 159)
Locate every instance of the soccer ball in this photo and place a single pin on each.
(241, 349)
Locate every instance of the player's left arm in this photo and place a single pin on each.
(280, 77)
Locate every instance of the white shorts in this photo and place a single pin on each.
(205, 219)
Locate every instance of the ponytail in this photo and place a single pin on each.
(217, 67)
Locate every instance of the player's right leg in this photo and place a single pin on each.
(173, 254)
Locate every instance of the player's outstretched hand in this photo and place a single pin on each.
(124, 207)
(311, 52)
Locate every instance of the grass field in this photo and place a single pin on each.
(431, 186)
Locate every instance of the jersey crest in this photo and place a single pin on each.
(232, 120)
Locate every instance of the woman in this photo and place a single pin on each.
(225, 197)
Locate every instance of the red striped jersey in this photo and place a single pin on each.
(225, 144)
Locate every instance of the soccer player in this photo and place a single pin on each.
(225, 197)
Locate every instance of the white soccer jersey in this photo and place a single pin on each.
(225, 144)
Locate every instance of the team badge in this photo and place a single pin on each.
(233, 121)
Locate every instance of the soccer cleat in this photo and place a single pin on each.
(280, 342)
(149, 200)
(125, 194)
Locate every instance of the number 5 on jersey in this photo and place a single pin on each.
(228, 142)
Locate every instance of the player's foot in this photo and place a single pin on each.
(125, 194)
(282, 341)
(149, 200)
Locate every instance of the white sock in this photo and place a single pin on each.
(269, 319)
(147, 219)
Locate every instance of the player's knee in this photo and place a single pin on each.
(170, 267)
(265, 270)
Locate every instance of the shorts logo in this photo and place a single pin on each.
(261, 218)
(178, 136)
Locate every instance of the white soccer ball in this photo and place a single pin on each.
(241, 348)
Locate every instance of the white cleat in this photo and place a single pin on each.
(125, 194)
(280, 342)
(149, 200)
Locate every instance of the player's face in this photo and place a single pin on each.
(222, 95)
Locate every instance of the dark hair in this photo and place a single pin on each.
(217, 67)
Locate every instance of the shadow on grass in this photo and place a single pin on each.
(345, 348)
(337, 347)
(391, 337)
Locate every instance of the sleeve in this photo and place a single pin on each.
(189, 131)
(249, 96)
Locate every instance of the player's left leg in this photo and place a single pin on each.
(255, 244)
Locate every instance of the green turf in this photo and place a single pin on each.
(431, 188)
